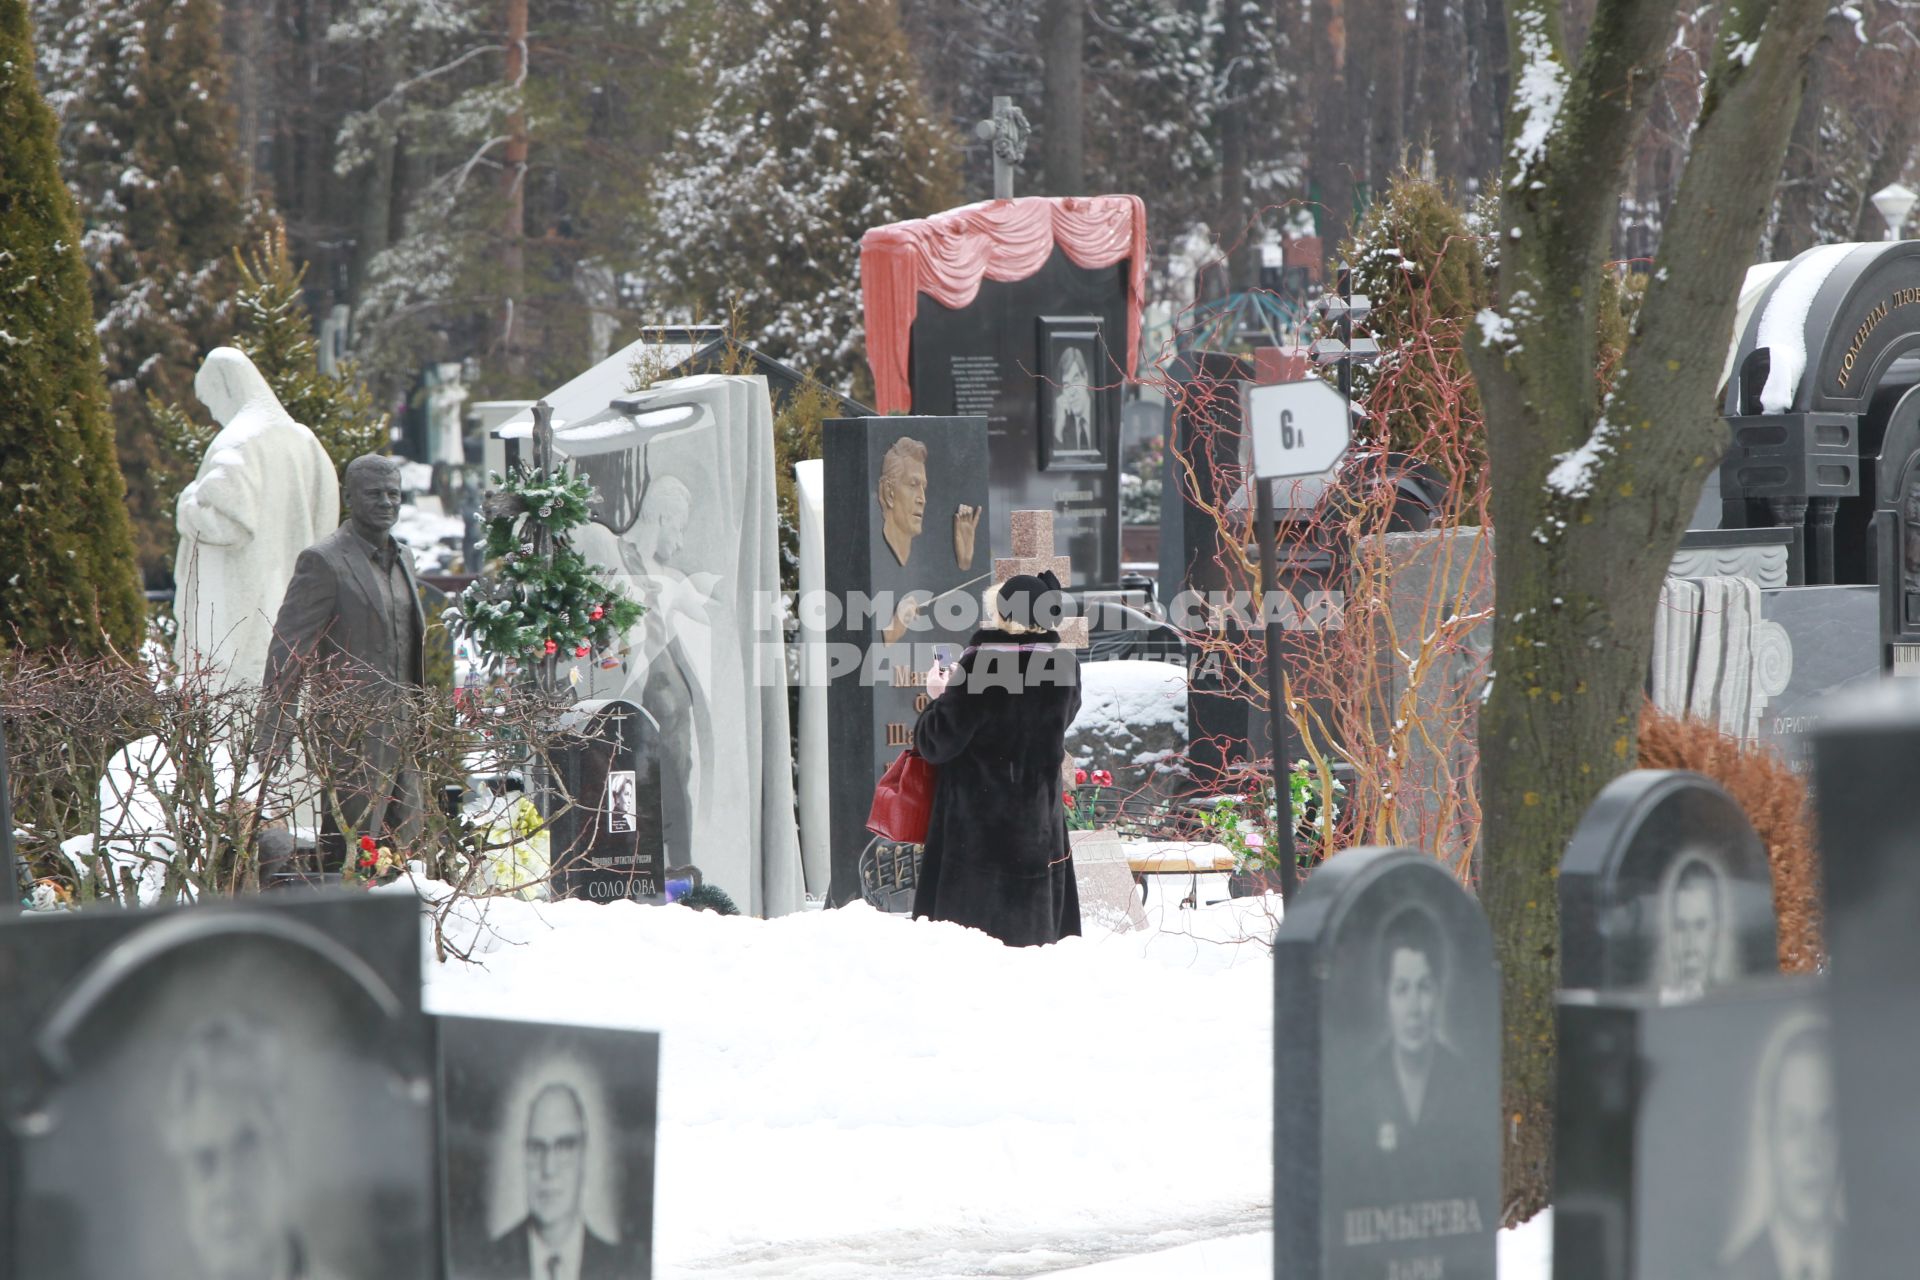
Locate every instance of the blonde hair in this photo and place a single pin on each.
(999, 621)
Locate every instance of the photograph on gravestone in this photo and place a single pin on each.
(906, 519)
(248, 1088)
(1665, 888)
(1866, 808)
(1386, 1075)
(1075, 430)
(547, 1150)
(607, 832)
(1699, 1139)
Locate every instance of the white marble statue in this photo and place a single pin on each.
(265, 491)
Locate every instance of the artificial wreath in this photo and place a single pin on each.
(537, 605)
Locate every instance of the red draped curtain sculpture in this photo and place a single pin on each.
(948, 255)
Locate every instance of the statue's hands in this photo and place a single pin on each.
(966, 523)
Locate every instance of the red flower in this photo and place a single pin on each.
(598, 613)
(1079, 777)
(1101, 778)
(582, 651)
(1066, 798)
(367, 844)
(552, 647)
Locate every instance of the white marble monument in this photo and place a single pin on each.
(685, 518)
(265, 491)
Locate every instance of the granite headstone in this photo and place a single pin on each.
(1042, 360)
(1699, 1140)
(1868, 807)
(546, 1130)
(248, 1087)
(1386, 1075)
(907, 524)
(607, 838)
(1664, 889)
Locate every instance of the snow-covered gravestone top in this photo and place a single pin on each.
(265, 491)
(1386, 1075)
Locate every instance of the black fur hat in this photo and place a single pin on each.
(1032, 602)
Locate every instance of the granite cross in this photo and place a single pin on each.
(1033, 553)
(1008, 130)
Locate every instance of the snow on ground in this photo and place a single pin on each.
(848, 1095)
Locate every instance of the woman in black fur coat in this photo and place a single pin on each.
(996, 854)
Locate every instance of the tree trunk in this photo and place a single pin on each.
(1063, 42)
(1236, 231)
(1590, 495)
(513, 215)
(1329, 162)
(1488, 76)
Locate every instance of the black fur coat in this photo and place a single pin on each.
(996, 855)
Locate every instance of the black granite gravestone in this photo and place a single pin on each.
(1868, 807)
(610, 829)
(546, 1126)
(906, 518)
(241, 1089)
(1698, 1140)
(1664, 889)
(1042, 359)
(1386, 1075)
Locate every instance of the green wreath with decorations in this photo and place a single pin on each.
(535, 606)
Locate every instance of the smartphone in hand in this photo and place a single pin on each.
(943, 656)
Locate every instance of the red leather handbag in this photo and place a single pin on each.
(903, 800)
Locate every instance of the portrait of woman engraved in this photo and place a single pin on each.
(1786, 1221)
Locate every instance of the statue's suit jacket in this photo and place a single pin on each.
(331, 621)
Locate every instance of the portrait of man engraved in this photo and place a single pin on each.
(902, 492)
(1786, 1223)
(549, 1158)
(226, 1130)
(1073, 427)
(1693, 948)
(1910, 529)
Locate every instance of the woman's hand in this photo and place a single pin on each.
(937, 680)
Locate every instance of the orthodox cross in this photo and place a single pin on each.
(1008, 130)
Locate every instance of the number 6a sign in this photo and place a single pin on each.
(1294, 428)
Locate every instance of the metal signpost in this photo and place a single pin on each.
(1294, 430)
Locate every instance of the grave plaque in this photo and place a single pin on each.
(1698, 1140)
(1863, 754)
(608, 833)
(547, 1132)
(1386, 1075)
(907, 559)
(243, 1090)
(1664, 889)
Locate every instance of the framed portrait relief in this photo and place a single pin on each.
(1075, 434)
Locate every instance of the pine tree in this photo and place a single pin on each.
(65, 545)
(814, 132)
(148, 148)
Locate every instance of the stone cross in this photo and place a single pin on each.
(1008, 130)
(1033, 553)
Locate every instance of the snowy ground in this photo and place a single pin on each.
(849, 1095)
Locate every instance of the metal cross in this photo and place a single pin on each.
(1008, 130)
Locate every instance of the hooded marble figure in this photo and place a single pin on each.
(265, 491)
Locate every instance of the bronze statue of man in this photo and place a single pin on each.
(351, 630)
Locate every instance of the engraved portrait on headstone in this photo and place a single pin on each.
(620, 788)
(549, 1135)
(1695, 950)
(1787, 1219)
(249, 1089)
(1072, 403)
(1664, 889)
(1910, 530)
(1416, 1078)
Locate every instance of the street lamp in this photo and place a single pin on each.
(1893, 201)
